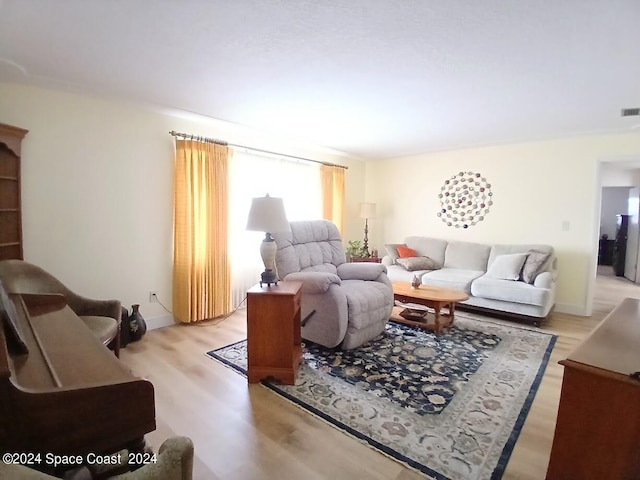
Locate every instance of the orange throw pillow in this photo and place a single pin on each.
(406, 252)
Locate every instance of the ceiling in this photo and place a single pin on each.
(372, 78)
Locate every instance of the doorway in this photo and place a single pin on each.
(620, 195)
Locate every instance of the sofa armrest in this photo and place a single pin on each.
(314, 282)
(545, 280)
(361, 271)
(387, 260)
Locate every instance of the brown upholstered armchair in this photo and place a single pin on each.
(101, 316)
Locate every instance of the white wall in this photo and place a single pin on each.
(612, 176)
(614, 202)
(97, 188)
(544, 192)
(97, 193)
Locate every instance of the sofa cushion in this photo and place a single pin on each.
(452, 278)
(105, 328)
(507, 267)
(509, 291)
(533, 265)
(467, 256)
(413, 264)
(396, 273)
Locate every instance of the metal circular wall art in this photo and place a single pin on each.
(465, 199)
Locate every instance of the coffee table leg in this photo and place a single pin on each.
(437, 309)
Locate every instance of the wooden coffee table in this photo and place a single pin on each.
(433, 297)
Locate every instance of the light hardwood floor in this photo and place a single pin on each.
(244, 433)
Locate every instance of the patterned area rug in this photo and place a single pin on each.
(451, 407)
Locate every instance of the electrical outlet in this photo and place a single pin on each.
(153, 296)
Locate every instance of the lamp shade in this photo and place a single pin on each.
(267, 215)
(367, 210)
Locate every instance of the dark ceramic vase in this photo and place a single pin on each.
(137, 325)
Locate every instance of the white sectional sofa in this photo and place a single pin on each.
(519, 280)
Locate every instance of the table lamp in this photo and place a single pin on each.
(267, 215)
(367, 211)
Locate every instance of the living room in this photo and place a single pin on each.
(131, 149)
(97, 193)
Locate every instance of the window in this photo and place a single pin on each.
(255, 175)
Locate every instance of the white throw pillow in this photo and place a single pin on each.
(507, 267)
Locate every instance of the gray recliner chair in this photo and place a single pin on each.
(347, 304)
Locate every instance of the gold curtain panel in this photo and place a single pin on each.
(201, 270)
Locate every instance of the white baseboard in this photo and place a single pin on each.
(571, 309)
(159, 322)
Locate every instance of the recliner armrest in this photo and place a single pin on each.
(314, 282)
(361, 271)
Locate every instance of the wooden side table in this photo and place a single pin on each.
(367, 259)
(274, 346)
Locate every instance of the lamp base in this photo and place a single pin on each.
(365, 248)
(268, 277)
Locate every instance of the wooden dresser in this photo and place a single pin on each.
(598, 428)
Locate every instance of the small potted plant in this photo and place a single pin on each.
(354, 249)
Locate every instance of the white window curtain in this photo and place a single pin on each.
(254, 175)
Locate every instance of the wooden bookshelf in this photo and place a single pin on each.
(10, 196)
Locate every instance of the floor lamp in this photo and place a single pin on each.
(267, 215)
(367, 211)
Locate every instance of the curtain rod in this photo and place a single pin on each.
(221, 142)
